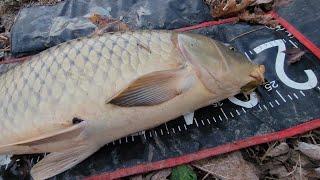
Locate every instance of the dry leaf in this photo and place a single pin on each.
(158, 175)
(279, 171)
(258, 18)
(230, 166)
(227, 8)
(299, 158)
(315, 173)
(262, 2)
(105, 24)
(283, 173)
(161, 175)
(4, 41)
(281, 149)
(294, 55)
(220, 8)
(310, 150)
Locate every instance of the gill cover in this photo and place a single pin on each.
(198, 51)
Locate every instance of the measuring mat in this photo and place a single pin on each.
(288, 104)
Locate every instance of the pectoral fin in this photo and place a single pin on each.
(58, 162)
(155, 88)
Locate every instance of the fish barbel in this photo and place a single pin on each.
(73, 98)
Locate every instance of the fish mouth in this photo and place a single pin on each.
(257, 74)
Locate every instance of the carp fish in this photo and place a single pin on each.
(73, 98)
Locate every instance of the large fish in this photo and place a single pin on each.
(74, 98)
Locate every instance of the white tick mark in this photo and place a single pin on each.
(237, 112)
(293, 43)
(247, 56)
(195, 120)
(281, 96)
(208, 121)
(214, 119)
(173, 130)
(265, 107)
(223, 113)
(271, 104)
(167, 128)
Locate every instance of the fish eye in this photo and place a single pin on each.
(232, 48)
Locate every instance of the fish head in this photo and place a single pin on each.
(220, 68)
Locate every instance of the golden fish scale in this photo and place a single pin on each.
(41, 95)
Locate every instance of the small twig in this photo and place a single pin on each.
(268, 150)
(271, 178)
(300, 170)
(208, 171)
(294, 169)
(15, 60)
(7, 49)
(204, 177)
(313, 140)
(245, 33)
(2, 37)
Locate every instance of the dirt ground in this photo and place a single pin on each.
(293, 158)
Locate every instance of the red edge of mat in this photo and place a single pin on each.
(260, 139)
(240, 144)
